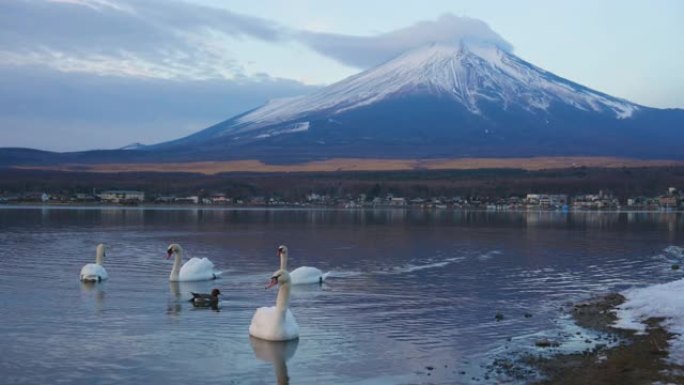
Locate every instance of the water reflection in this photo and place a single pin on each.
(309, 288)
(224, 217)
(410, 288)
(277, 353)
(173, 307)
(99, 291)
(215, 306)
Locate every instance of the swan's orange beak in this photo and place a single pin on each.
(274, 281)
(169, 253)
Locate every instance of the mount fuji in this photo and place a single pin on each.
(443, 101)
(438, 101)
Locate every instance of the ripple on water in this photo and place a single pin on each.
(405, 291)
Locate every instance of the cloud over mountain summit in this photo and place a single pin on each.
(368, 51)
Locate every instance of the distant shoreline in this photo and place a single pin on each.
(161, 206)
(624, 189)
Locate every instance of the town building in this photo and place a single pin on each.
(122, 196)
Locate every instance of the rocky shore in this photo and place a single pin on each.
(639, 359)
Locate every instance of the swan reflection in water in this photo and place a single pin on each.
(99, 289)
(277, 353)
(173, 305)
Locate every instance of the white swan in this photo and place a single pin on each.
(95, 272)
(305, 274)
(276, 323)
(196, 269)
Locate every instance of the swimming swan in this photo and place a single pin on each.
(95, 272)
(196, 269)
(305, 274)
(276, 323)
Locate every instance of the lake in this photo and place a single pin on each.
(412, 298)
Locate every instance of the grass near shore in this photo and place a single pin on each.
(355, 164)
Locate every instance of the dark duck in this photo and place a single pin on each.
(206, 300)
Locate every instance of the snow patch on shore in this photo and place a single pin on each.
(663, 300)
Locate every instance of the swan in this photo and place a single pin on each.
(95, 272)
(196, 269)
(276, 323)
(305, 274)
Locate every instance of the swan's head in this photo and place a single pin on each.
(280, 277)
(173, 248)
(282, 254)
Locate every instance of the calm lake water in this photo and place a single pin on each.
(409, 289)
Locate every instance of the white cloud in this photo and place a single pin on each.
(126, 64)
(367, 51)
(173, 39)
(146, 38)
(97, 5)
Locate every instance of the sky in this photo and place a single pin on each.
(90, 74)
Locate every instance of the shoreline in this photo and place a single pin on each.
(153, 206)
(636, 359)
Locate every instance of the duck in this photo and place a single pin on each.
(95, 272)
(195, 269)
(206, 300)
(276, 323)
(304, 275)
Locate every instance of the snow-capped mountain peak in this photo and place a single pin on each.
(468, 74)
(442, 100)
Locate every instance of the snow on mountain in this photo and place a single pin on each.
(470, 75)
(438, 101)
(441, 100)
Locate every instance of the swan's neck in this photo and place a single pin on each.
(283, 261)
(178, 261)
(99, 257)
(283, 299)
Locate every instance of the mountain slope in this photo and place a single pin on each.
(443, 101)
(438, 101)
(469, 76)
